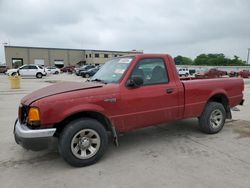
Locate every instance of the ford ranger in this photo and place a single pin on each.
(127, 93)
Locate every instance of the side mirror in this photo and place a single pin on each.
(135, 81)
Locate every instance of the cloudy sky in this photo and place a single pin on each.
(164, 26)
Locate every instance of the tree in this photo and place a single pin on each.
(217, 60)
(181, 60)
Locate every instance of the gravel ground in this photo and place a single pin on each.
(173, 155)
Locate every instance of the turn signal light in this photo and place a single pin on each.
(34, 115)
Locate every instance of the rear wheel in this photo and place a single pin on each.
(87, 76)
(39, 75)
(56, 72)
(83, 142)
(213, 118)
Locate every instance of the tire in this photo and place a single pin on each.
(39, 75)
(87, 75)
(186, 75)
(56, 72)
(14, 73)
(69, 142)
(213, 118)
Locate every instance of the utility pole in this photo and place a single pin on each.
(248, 50)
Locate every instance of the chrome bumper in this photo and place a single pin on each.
(33, 139)
(24, 132)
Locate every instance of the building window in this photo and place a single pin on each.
(96, 55)
(106, 55)
(86, 55)
(17, 62)
(89, 55)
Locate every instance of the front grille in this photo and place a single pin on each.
(22, 114)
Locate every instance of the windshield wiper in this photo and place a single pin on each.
(98, 80)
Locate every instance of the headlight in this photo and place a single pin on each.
(33, 116)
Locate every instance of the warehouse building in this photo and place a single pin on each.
(16, 56)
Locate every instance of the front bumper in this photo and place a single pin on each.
(33, 139)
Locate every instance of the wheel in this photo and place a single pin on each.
(14, 73)
(39, 75)
(186, 74)
(56, 72)
(87, 76)
(213, 118)
(83, 142)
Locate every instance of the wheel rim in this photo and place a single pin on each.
(85, 144)
(87, 76)
(216, 118)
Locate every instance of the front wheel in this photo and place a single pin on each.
(83, 142)
(14, 74)
(213, 118)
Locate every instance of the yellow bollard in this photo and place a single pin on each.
(15, 82)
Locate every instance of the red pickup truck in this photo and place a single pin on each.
(127, 93)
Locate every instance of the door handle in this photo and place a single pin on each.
(169, 90)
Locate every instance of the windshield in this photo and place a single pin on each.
(113, 70)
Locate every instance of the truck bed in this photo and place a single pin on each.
(198, 91)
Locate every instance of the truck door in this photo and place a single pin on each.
(156, 101)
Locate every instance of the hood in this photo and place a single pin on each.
(54, 89)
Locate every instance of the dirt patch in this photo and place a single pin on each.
(43, 158)
(242, 128)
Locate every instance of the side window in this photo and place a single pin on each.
(25, 67)
(153, 71)
(32, 67)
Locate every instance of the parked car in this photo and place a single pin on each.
(192, 72)
(244, 74)
(52, 70)
(233, 74)
(183, 72)
(29, 70)
(88, 73)
(84, 68)
(3, 68)
(120, 98)
(211, 73)
(69, 69)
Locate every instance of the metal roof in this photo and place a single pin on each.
(49, 48)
